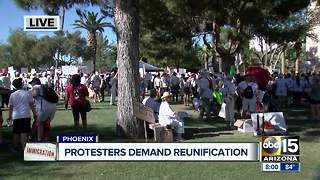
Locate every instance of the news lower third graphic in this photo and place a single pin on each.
(41, 23)
(280, 153)
(277, 153)
(87, 148)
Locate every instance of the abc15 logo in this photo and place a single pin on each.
(280, 145)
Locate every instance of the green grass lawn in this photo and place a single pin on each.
(102, 122)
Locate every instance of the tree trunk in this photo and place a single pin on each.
(127, 28)
(297, 47)
(283, 61)
(227, 61)
(297, 63)
(206, 62)
(94, 51)
(62, 18)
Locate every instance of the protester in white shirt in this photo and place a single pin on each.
(96, 82)
(168, 117)
(165, 82)
(157, 83)
(205, 92)
(113, 83)
(63, 85)
(229, 96)
(248, 90)
(21, 103)
(45, 109)
(43, 78)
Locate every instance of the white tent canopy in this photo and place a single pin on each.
(148, 67)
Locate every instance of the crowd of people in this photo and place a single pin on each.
(206, 92)
(39, 94)
(239, 96)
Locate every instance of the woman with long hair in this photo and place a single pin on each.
(76, 97)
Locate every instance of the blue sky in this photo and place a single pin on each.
(11, 17)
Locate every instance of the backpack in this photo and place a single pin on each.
(248, 92)
(104, 84)
(49, 94)
(210, 83)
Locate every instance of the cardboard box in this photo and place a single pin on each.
(244, 125)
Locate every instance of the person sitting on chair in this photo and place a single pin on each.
(168, 117)
(151, 103)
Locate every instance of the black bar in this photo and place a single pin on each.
(41, 28)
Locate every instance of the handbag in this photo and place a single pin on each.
(86, 105)
(222, 112)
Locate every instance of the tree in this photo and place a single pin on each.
(21, 45)
(75, 46)
(127, 28)
(5, 55)
(44, 51)
(232, 17)
(106, 53)
(93, 24)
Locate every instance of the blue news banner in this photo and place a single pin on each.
(77, 139)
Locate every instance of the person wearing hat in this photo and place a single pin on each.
(20, 105)
(168, 117)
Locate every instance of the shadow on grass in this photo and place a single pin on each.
(202, 128)
(299, 123)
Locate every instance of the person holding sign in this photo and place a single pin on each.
(168, 117)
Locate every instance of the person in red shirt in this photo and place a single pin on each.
(76, 94)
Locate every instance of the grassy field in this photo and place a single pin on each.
(102, 122)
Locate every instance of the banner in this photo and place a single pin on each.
(40, 152)
(24, 70)
(275, 119)
(158, 152)
(69, 70)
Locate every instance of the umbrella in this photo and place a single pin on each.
(260, 75)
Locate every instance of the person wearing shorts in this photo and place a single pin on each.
(20, 105)
(45, 110)
(248, 104)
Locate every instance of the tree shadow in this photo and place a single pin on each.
(299, 123)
